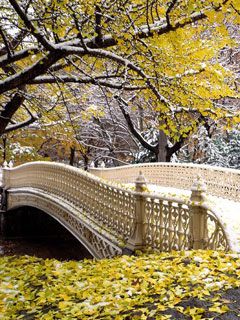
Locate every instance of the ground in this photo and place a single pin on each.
(177, 285)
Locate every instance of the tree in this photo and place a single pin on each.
(220, 149)
(166, 52)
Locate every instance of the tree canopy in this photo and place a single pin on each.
(167, 52)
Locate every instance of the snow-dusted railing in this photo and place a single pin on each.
(107, 205)
(175, 224)
(138, 219)
(221, 182)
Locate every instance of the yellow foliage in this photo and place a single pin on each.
(180, 64)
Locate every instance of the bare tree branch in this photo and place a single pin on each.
(14, 43)
(9, 110)
(84, 80)
(98, 27)
(21, 124)
(38, 68)
(19, 55)
(133, 130)
(169, 9)
(34, 31)
(7, 46)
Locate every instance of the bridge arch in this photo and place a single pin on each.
(94, 243)
(29, 230)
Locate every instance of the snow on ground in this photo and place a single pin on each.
(228, 211)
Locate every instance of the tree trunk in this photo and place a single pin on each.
(4, 147)
(72, 155)
(162, 148)
(141, 115)
(9, 110)
(85, 160)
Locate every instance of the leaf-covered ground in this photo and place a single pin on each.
(177, 285)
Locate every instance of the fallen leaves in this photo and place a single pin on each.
(152, 286)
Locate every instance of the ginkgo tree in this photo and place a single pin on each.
(165, 51)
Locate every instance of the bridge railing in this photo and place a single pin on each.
(169, 223)
(139, 219)
(111, 207)
(221, 182)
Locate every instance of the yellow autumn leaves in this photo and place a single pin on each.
(192, 284)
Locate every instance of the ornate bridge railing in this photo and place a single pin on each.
(221, 182)
(99, 214)
(110, 220)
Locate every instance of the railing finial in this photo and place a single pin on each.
(102, 164)
(198, 189)
(140, 182)
(92, 164)
(10, 164)
(5, 164)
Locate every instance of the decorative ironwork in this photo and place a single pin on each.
(97, 244)
(105, 217)
(217, 237)
(221, 182)
(166, 225)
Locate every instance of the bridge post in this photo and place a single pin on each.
(198, 215)
(136, 242)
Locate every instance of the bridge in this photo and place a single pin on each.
(112, 211)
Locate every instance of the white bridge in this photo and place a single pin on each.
(109, 217)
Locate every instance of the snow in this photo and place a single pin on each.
(17, 149)
(229, 213)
